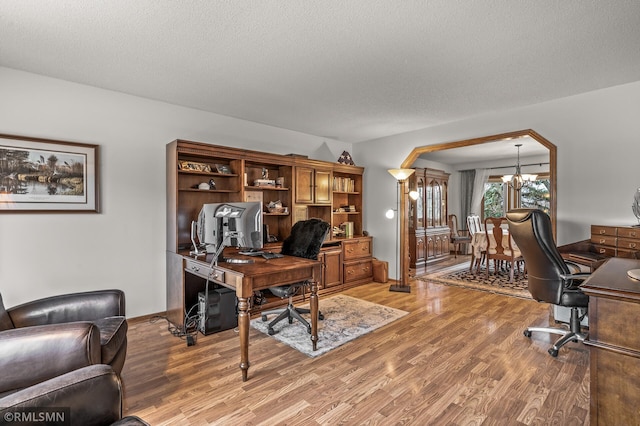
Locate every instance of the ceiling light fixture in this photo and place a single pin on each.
(518, 180)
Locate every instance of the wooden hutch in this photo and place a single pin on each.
(307, 188)
(428, 225)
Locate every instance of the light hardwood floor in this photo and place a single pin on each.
(458, 358)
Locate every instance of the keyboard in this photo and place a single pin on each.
(269, 255)
(252, 252)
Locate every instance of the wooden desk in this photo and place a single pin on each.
(614, 343)
(245, 278)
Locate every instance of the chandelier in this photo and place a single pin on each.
(518, 180)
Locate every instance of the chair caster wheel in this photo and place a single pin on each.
(264, 318)
(320, 316)
(290, 320)
(309, 330)
(527, 333)
(271, 331)
(553, 352)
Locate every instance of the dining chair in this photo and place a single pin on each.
(500, 247)
(457, 236)
(474, 225)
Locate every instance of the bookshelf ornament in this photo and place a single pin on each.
(345, 158)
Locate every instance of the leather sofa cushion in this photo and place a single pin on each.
(5, 320)
(113, 335)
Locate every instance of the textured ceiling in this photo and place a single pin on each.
(351, 70)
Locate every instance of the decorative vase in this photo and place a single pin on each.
(635, 207)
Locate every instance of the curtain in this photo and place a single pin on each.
(467, 178)
(481, 177)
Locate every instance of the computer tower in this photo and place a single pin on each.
(219, 313)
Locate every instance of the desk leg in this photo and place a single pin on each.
(243, 328)
(313, 302)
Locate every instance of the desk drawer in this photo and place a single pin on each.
(604, 240)
(629, 254)
(357, 248)
(358, 270)
(605, 250)
(203, 271)
(628, 243)
(603, 230)
(629, 232)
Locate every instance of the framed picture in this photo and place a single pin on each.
(44, 175)
(223, 168)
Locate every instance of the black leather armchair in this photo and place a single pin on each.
(305, 240)
(550, 278)
(46, 338)
(92, 395)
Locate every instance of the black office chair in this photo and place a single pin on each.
(305, 241)
(551, 279)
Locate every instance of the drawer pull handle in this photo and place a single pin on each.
(602, 231)
(602, 250)
(632, 245)
(602, 241)
(633, 234)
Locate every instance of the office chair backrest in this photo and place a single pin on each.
(306, 238)
(531, 230)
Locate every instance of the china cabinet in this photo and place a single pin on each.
(428, 226)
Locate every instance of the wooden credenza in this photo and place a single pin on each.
(614, 342)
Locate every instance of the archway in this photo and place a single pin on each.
(504, 137)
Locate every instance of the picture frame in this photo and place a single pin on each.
(223, 169)
(47, 176)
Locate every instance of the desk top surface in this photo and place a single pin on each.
(259, 265)
(611, 279)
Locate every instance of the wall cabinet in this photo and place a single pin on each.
(313, 185)
(428, 224)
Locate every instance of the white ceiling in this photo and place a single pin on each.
(350, 70)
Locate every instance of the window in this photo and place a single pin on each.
(500, 197)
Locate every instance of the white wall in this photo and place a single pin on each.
(124, 245)
(597, 135)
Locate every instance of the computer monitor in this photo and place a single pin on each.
(235, 224)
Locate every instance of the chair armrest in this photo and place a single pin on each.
(34, 354)
(92, 394)
(87, 306)
(580, 276)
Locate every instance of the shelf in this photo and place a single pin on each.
(264, 188)
(345, 212)
(206, 190)
(189, 172)
(275, 214)
(346, 192)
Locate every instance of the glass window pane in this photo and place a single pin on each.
(494, 199)
(536, 195)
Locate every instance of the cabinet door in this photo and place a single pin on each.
(322, 187)
(304, 185)
(332, 268)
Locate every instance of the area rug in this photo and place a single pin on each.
(345, 319)
(499, 284)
